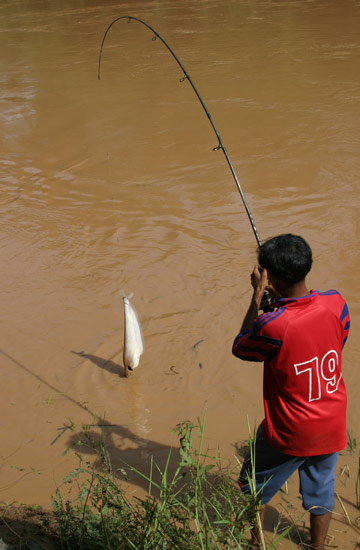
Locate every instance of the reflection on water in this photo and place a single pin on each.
(114, 185)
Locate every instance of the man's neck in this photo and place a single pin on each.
(298, 290)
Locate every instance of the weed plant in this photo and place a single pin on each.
(352, 442)
(199, 506)
(357, 485)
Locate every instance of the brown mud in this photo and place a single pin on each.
(113, 185)
(28, 528)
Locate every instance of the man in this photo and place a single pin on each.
(300, 343)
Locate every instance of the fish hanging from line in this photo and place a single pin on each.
(133, 338)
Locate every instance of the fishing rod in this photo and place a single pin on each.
(266, 302)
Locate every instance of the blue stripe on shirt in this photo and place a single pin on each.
(267, 339)
(239, 347)
(344, 312)
(252, 347)
(252, 358)
(312, 294)
(265, 319)
(260, 320)
(289, 300)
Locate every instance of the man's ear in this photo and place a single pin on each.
(271, 278)
(275, 282)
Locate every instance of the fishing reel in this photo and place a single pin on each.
(266, 304)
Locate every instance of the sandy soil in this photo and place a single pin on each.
(27, 528)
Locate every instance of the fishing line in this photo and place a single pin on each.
(220, 141)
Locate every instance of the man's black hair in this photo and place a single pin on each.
(287, 256)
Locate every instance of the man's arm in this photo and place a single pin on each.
(250, 344)
(259, 283)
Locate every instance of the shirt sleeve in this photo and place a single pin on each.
(345, 321)
(254, 344)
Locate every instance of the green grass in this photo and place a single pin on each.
(352, 442)
(193, 502)
(198, 506)
(357, 485)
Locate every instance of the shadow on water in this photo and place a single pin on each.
(123, 445)
(105, 364)
(130, 456)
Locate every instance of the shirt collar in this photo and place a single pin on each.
(281, 302)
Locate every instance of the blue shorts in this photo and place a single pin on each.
(273, 468)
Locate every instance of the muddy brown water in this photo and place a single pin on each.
(113, 185)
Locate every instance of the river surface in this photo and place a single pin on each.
(113, 185)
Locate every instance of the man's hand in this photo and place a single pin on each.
(259, 282)
(273, 293)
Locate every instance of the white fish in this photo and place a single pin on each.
(133, 338)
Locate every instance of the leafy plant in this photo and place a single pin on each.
(197, 506)
(351, 442)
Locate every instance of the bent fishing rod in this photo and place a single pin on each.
(267, 299)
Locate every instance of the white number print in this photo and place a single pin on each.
(327, 372)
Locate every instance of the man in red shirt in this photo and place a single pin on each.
(300, 343)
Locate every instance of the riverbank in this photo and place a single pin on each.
(28, 528)
(196, 505)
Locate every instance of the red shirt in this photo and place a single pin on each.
(304, 392)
